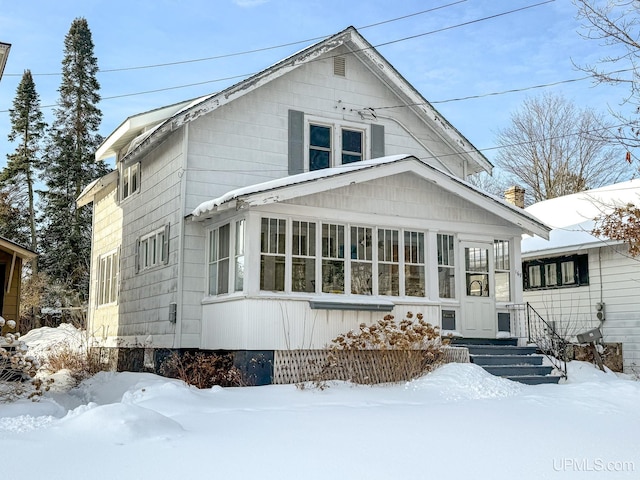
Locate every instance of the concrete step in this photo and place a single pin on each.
(484, 341)
(518, 370)
(483, 360)
(535, 379)
(499, 350)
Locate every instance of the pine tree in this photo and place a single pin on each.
(18, 178)
(66, 240)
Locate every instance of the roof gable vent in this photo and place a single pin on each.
(339, 66)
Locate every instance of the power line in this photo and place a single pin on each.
(257, 50)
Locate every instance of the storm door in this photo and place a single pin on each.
(478, 299)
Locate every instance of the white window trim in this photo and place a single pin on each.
(232, 257)
(126, 172)
(113, 278)
(336, 127)
(161, 236)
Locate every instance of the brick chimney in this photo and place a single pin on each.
(515, 196)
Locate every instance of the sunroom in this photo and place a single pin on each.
(294, 262)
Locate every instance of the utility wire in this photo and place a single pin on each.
(257, 50)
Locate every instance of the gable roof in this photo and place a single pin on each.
(318, 181)
(572, 218)
(168, 119)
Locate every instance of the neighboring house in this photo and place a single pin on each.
(318, 194)
(579, 281)
(12, 256)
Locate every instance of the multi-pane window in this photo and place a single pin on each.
(332, 258)
(219, 260)
(477, 271)
(361, 260)
(129, 180)
(351, 145)
(330, 146)
(273, 254)
(319, 147)
(108, 274)
(446, 266)
(388, 262)
(502, 270)
(153, 249)
(239, 257)
(414, 266)
(303, 260)
(556, 272)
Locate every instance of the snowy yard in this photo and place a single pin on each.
(458, 422)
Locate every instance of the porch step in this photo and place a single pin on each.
(503, 358)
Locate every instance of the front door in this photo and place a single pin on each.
(478, 299)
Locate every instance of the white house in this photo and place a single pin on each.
(291, 207)
(579, 281)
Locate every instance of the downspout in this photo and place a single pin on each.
(177, 339)
(410, 133)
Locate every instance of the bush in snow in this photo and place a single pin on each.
(202, 370)
(391, 351)
(17, 366)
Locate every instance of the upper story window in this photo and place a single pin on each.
(558, 272)
(129, 180)
(153, 249)
(332, 145)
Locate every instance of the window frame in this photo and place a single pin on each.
(336, 150)
(126, 179)
(580, 267)
(502, 267)
(108, 296)
(159, 237)
(446, 262)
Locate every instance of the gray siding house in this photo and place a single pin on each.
(579, 281)
(292, 207)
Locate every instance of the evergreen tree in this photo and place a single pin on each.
(70, 164)
(18, 178)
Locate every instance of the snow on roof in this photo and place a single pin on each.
(211, 205)
(572, 217)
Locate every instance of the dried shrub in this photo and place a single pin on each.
(17, 367)
(390, 351)
(622, 223)
(79, 362)
(202, 370)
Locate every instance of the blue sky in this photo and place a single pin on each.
(535, 46)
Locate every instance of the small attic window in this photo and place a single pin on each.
(339, 66)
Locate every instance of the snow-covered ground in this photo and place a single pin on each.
(458, 422)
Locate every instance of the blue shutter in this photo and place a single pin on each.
(296, 142)
(377, 141)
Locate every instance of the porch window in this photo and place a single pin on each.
(239, 256)
(303, 275)
(108, 276)
(129, 180)
(219, 260)
(273, 254)
(446, 266)
(502, 267)
(414, 266)
(361, 261)
(332, 258)
(388, 262)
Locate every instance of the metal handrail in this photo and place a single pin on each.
(548, 341)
